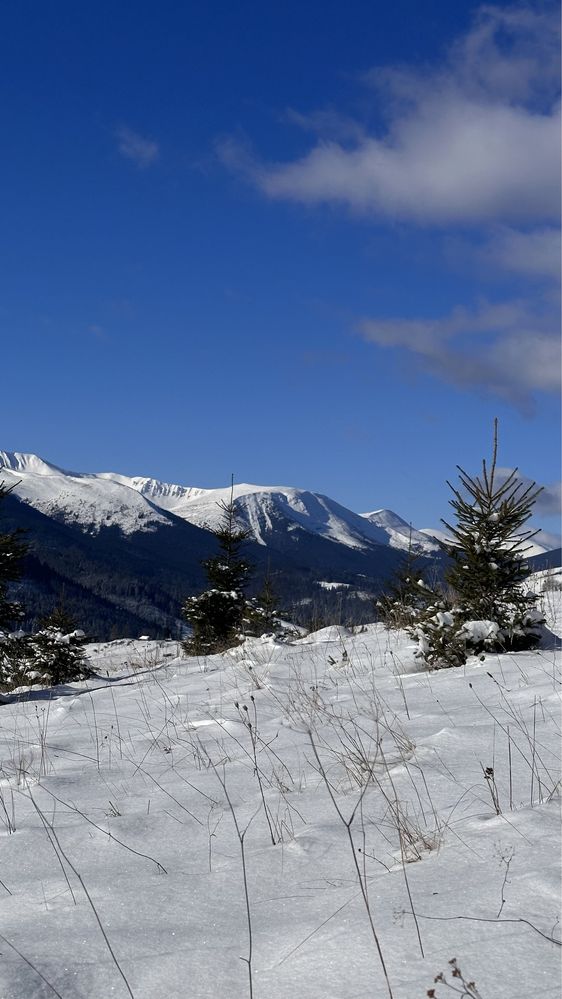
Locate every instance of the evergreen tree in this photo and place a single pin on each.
(216, 615)
(407, 593)
(438, 633)
(492, 608)
(261, 615)
(57, 650)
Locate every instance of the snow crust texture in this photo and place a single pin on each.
(356, 783)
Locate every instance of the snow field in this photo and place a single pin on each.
(175, 824)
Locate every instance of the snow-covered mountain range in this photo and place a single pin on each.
(126, 551)
(134, 504)
(137, 503)
(108, 499)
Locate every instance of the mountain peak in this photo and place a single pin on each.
(401, 534)
(19, 461)
(77, 497)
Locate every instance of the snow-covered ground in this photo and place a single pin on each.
(352, 788)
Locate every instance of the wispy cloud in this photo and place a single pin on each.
(328, 123)
(472, 143)
(475, 140)
(451, 162)
(549, 500)
(534, 253)
(547, 504)
(509, 349)
(142, 151)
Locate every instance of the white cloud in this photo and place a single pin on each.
(451, 162)
(509, 349)
(511, 53)
(144, 152)
(549, 500)
(533, 254)
(476, 140)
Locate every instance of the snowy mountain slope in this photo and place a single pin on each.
(86, 500)
(265, 509)
(166, 495)
(401, 534)
(111, 582)
(308, 532)
(104, 541)
(435, 533)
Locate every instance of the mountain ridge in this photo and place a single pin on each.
(140, 503)
(93, 500)
(125, 551)
(102, 542)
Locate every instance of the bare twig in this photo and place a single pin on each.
(77, 874)
(506, 859)
(31, 965)
(483, 919)
(241, 834)
(106, 832)
(348, 827)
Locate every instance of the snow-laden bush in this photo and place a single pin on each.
(261, 615)
(16, 659)
(446, 638)
(407, 595)
(52, 656)
(58, 655)
(439, 635)
(215, 617)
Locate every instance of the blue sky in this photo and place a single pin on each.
(310, 244)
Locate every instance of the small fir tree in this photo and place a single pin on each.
(216, 615)
(440, 642)
(492, 608)
(407, 594)
(261, 615)
(57, 650)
